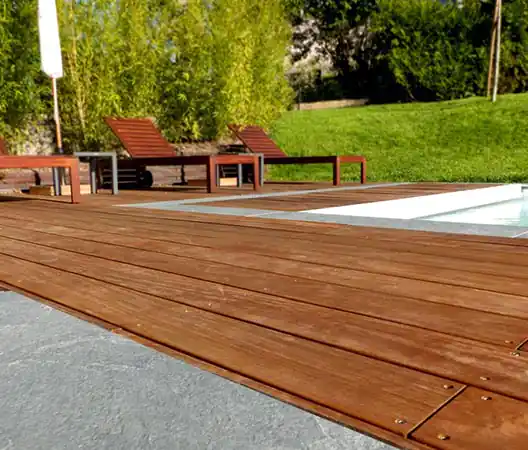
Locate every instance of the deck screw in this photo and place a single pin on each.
(515, 353)
(400, 421)
(485, 398)
(448, 386)
(443, 437)
(508, 342)
(484, 378)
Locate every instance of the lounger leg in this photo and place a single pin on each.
(75, 182)
(363, 172)
(240, 180)
(337, 171)
(261, 162)
(256, 173)
(211, 175)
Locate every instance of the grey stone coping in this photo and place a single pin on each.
(197, 201)
(68, 384)
(194, 206)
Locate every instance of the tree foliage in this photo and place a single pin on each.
(337, 26)
(21, 90)
(228, 66)
(193, 66)
(439, 62)
(393, 50)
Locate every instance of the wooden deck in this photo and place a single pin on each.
(418, 339)
(330, 199)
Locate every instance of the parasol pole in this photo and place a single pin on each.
(57, 173)
(51, 64)
(56, 115)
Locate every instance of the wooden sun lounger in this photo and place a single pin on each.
(39, 162)
(147, 147)
(256, 140)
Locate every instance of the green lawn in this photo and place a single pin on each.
(466, 140)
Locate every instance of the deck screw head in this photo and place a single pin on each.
(508, 342)
(400, 421)
(485, 398)
(448, 386)
(484, 378)
(515, 353)
(443, 437)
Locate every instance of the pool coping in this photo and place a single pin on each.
(417, 224)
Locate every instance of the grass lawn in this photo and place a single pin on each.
(466, 140)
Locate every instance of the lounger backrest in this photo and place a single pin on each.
(140, 137)
(3, 147)
(256, 140)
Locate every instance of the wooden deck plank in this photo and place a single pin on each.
(429, 286)
(218, 266)
(296, 366)
(335, 244)
(461, 360)
(465, 246)
(339, 198)
(263, 223)
(470, 422)
(259, 300)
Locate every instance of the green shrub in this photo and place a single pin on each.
(228, 66)
(23, 90)
(193, 66)
(432, 49)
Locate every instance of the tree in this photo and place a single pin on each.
(21, 83)
(339, 27)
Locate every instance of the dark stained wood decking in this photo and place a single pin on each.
(330, 199)
(416, 338)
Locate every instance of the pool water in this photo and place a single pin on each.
(511, 212)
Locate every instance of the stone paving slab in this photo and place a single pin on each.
(67, 384)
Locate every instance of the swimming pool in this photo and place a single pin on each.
(511, 212)
(497, 205)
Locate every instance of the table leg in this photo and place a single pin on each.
(56, 181)
(256, 173)
(115, 181)
(363, 172)
(75, 182)
(93, 176)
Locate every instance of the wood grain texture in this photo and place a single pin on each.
(376, 329)
(218, 266)
(457, 359)
(301, 367)
(440, 286)
(478, 419)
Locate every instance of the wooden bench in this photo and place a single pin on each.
(39, 162)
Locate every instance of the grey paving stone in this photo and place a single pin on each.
(67, 384)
